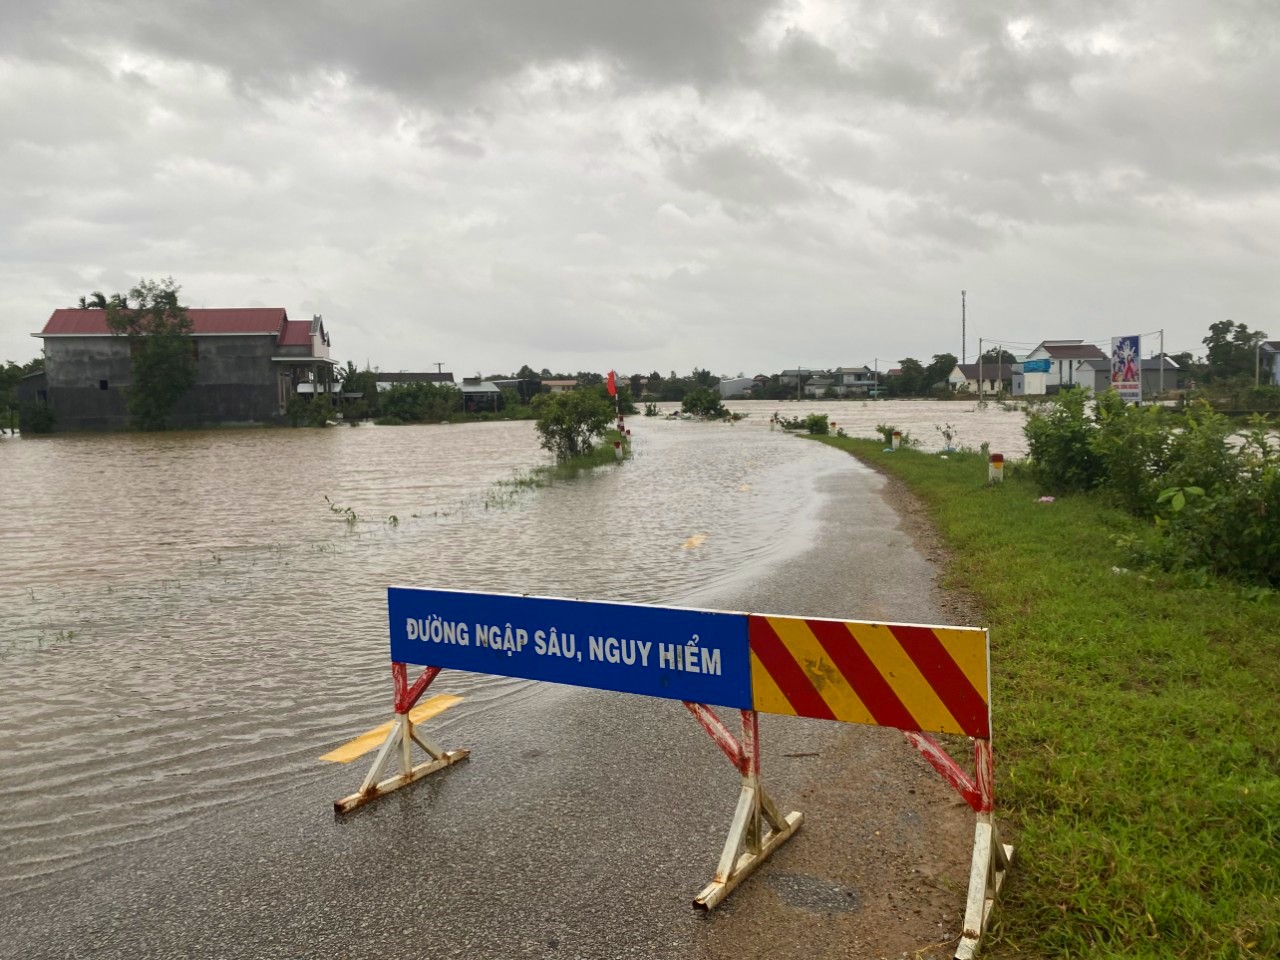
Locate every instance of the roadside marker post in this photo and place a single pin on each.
(920, 679)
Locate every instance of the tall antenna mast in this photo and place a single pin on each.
(963, 321)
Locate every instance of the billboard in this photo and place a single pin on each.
(1126, 367)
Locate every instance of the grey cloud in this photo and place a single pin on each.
(741, 174)
(410, 46)
(435, 177)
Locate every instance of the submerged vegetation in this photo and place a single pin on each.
(1137, 728)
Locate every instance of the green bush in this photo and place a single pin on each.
(420, 402)
(1215, 499)
(1133, 444)
(37, 418)
(1060, 444)
(887, 431)
(704, 402)
(569, 423)
(816, 424)
(1228, 527)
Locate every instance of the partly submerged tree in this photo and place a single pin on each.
(569, 423)
(162, 353)
(703, 402)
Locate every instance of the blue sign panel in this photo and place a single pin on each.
(1037, 366)
(656, 651)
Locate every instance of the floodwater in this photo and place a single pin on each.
(188, 620)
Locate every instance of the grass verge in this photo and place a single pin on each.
(1137, 726)
(601, 455)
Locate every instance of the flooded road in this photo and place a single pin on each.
(185, 618)
(187, 623)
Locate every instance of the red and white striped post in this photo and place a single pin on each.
(995, 468)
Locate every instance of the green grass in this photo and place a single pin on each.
(601, 455)
(1137, 727)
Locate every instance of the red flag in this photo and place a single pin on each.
(613, 385)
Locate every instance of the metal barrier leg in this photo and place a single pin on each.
(758, 827)
(403, 734)
(986, 876)
(991, 858)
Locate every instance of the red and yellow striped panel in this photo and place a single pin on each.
(932, 679)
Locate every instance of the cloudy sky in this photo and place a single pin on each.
(741, 185)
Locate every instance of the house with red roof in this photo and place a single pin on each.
(250, 361)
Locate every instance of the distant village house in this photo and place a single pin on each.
(250, 362)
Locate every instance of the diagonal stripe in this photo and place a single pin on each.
(786, 673)
(968, 648)
(852, 660)
(946, 680)
(905, 677)
(373, 739)
(765, 695)
(798, 637)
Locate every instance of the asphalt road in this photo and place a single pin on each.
(582, 826)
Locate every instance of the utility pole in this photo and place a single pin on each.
(1162, 363)
(963, 322)
(439, 367)
(876, 379)
(979, 369)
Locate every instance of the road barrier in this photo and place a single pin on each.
(920, 679)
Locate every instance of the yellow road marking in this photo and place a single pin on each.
(366, 742)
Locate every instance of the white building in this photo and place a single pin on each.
(1057, 364)
(985, 378)
(736, 387)
(850, 381)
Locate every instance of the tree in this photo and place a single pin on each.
(1232, 350)
(10, 376)
(908, 382)
(568, 423)
(363, 382)
(162, 353)
(419, 402)
(997, 355)
(704, 402)
(526, 373)
(937, 372)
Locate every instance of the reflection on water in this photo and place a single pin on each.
(186, 623)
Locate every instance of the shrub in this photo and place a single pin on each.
(569, 423)
(703, 402)
(887, 431)
(1133, 446)
(1231, 527)
(1216, 502)
(817, 424)
(37, 418)
(1060, 444)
